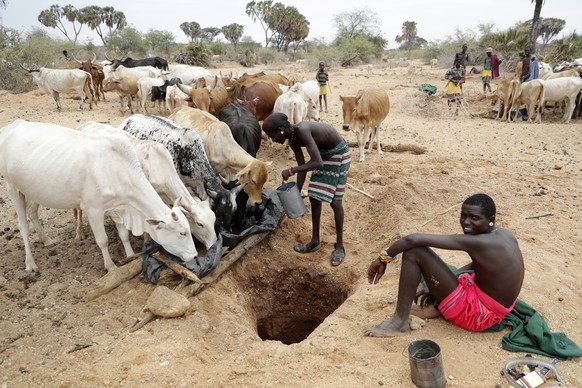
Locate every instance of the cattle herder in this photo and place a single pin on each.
(330, 161)
(322, 78)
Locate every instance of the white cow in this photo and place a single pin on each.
(158, 167)
(58, 167)
(175, 98)
(530, 93)
(144, 90)
(138, 71)
(55, 81)
(560, 89)
(295, 107)
(306, 89)
(188, 74)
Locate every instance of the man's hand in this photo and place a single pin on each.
(285, 174)
(376, 271)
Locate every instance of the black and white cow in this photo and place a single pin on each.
(159, 92)
(187, 150)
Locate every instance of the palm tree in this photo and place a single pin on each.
(535, 23)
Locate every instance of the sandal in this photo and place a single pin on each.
(338, 255)
(307, 248)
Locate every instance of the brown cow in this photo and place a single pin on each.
(228, 159)
(262, 93)
(210, 99)
(365, 112)
(96, 71)
(248, 79)
(504, 94)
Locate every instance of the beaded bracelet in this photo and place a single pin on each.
(385, 258)
(291, 173)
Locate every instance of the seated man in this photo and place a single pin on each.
(473, 301)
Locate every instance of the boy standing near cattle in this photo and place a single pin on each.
(322, 78)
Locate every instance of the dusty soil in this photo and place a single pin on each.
(50, 337)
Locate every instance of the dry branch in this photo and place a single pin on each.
(359, 191)
(415, 149)
(236, 253)
(114, 278)
(176, 267)
(440, 214)
(540, 216)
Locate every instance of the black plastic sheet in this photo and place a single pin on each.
(262, 218)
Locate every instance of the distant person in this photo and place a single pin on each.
(322, 78)
(456, 76)
(490, 69)
(329, 162)
(463, 56)
(474, 300)
(530, 69)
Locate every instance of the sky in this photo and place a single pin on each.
(435, 19)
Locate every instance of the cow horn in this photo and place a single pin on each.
(73, 55)
(214, 83)
(28, 70)
(185, 88)
(94, 58)
(107, 57)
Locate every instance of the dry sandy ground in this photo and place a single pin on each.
(532, 171)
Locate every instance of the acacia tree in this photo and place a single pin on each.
(55, 16)
(361, 21)
(261, 11)
(361, 24)
(233, 32)
(192, 30)
(549, 28)
(209, 33)
(288, 26)
(96, 16)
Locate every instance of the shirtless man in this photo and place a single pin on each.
(474, 301)
(329, 160)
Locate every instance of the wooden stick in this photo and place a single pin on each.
(176, 267)
(225, 263)
(540, 216)
(359, 191)
(114, 278)
(440, 214)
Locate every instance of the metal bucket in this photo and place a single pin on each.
(291, 200)
(426, 366)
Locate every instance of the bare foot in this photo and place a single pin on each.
(426, 312)
(387, 328)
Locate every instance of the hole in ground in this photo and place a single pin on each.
(290, 303)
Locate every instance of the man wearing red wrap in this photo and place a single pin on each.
(474, 301)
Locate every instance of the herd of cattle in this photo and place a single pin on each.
(201, 158)
(561, 88)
